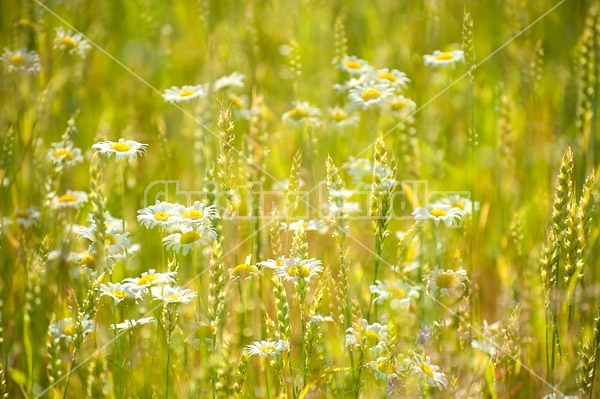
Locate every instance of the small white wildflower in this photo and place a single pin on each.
(21, 60)
(185, 93)
(123, 149)
(424, 369)
(236, 79)
(69, 200)
(437, 212)
(168, 294)
(188, 238)
(73, 43)
(266, 348)
(441, 58)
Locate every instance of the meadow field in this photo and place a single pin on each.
(303, 199)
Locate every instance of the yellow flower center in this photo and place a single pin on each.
(387, 76)
(173, 297)
(370, 94)
(237, 102)
(63, 154)
(398, 293)
(437, 212)
(87, 260)
(298, 113)
(353, 65)
(18, 60)
(147, 279)
(458, 204)
(398, 105)
(193, 214)
(186, 93)
(162, 216)
(446, 280)
(120, 147)
(189, 237)
(244, 270)
(445, 57)
(300, 271)
(69, 43)
(267, 349)
(338, 116)
(69, 329)
(111, 239)
(67, 198)
(372, 337)
(119, 294)
(426, 370)
(386, 366)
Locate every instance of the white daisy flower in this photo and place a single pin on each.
(66, 329)
(185, 93)
(162, 214)
(384, 367)
(354, 65)
(188, 238)
(73, 43)
(369, 95)
(373, 337)
(294, 269)
(199, 213)
(399, 295)
(392, 77)
(118, 292)
(24, 218)
(118, 242)
(129, 324)
(266, 348)
(21, 60)
(440, 58)
(168, 294)
(244, 271)
(123, 149)
(424, 369)
(236, 79)
(69, 200)
(464, 204)
(302, 113)
(64, 154)
(490, 335)
(338, 117)
(401, 107)
(437, 212)
(448, 282)
(149, 279)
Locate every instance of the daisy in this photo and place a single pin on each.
(401, 107)
(123, 149)
(236, 79)
(87, 260)
(266, 348)
(168, 294)
(129, 324)
(69, 200)
(199, 213)
(490, 335)
(338, 117)
(161, 214)
(119, 292)
(384, 367)
(424, 369)
(373, 336)
(302, 113)
(369, 95)
(185, 93)
(398, 294)
(188, 238)
(26, 218)
(439, 58)
(21, 60)
(66, 329)
(64, 154)
(118, 242)
(464, 204)
(244, 271)
(73, 43)
(392, 77)
(448, 282)
(437, 212)
(295, 270)
(354, 65)
(149, 279)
